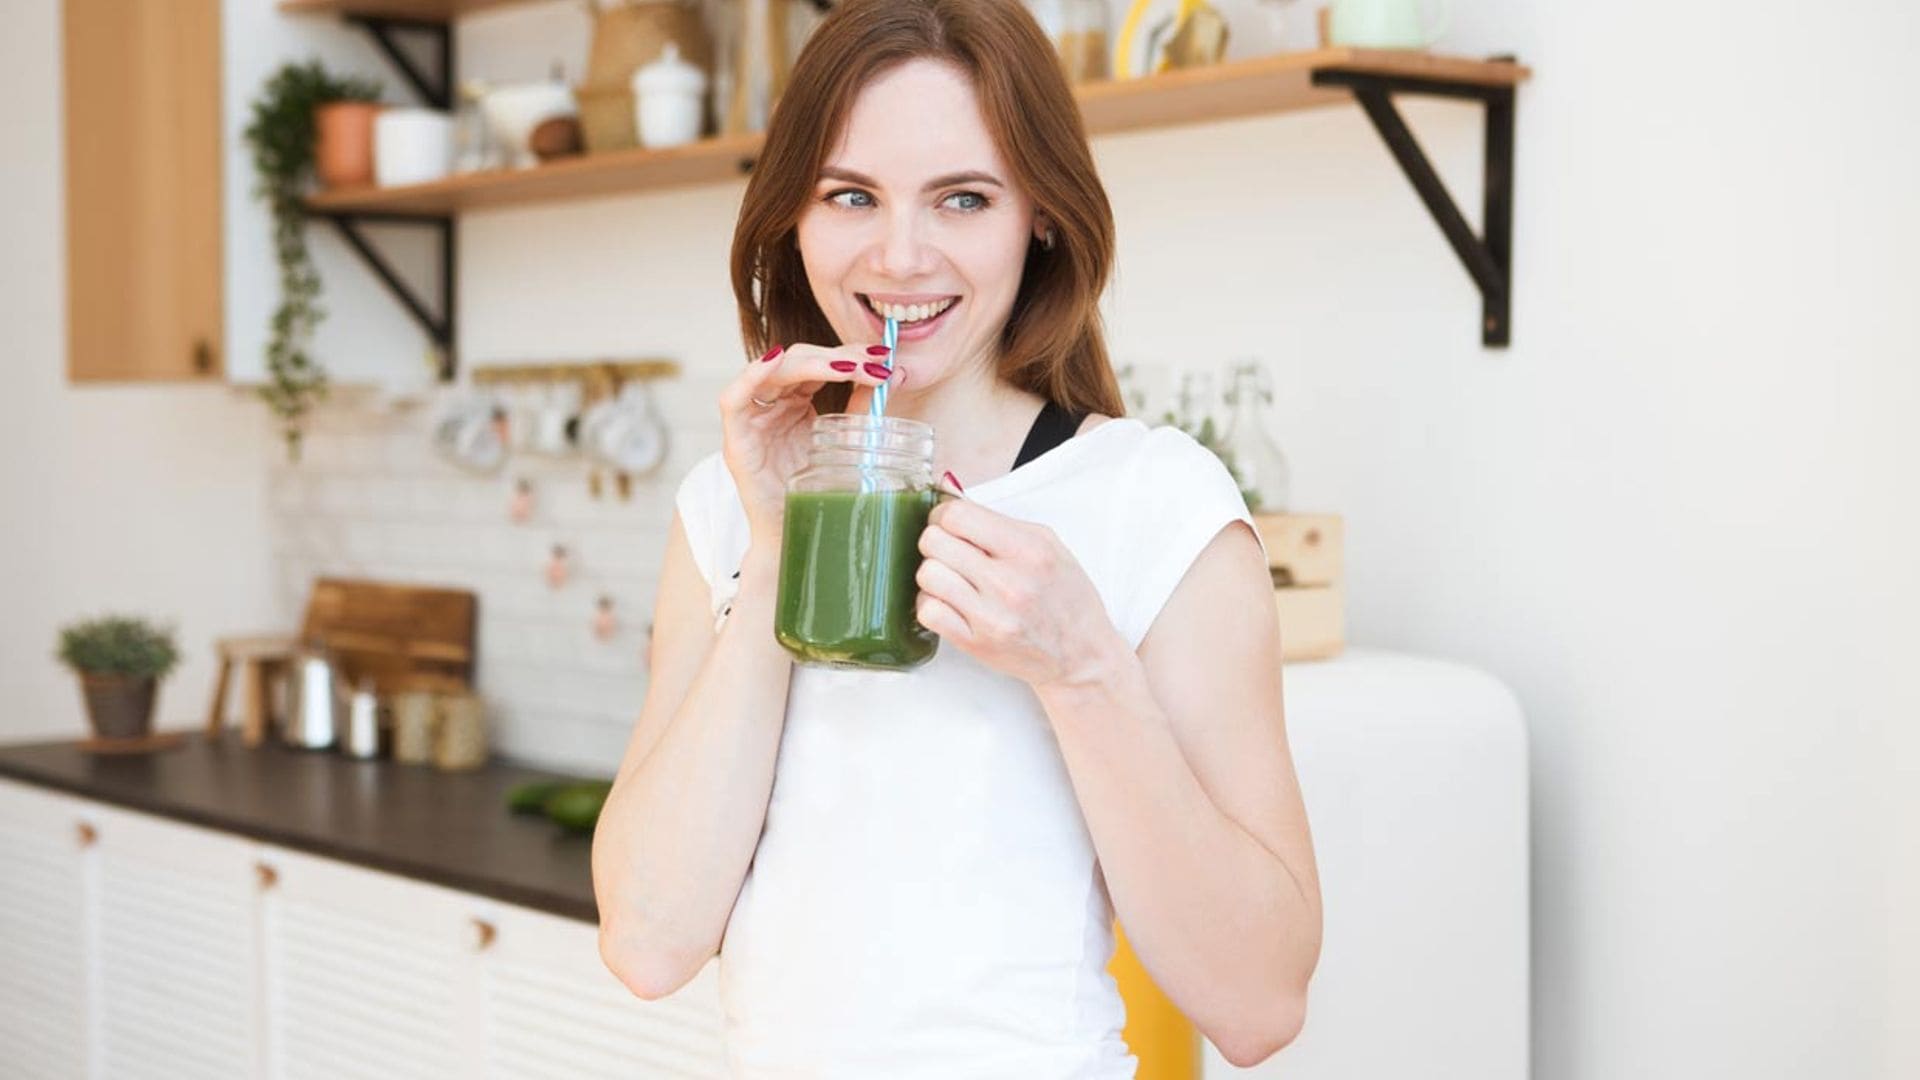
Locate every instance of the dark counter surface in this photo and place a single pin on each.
(448, 828)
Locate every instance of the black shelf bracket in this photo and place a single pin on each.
(438, 328)
(436, 90)
(1488, 258)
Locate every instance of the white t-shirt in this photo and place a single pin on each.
(925, 902)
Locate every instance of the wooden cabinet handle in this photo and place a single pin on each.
(483, 934)
(202, 356)
(85, 834)
(266, 875)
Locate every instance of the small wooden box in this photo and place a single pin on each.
(1304, 554)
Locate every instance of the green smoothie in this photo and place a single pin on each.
(847, 562)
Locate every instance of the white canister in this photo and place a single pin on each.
(411, 146)
(669, 100)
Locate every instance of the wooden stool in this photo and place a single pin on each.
(262, 660)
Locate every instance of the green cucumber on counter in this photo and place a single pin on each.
(531, 797)
(577, 806)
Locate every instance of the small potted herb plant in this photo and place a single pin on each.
(120, 660)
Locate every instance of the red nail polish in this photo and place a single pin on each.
(878, 350)
(768, 356)
(843, 365)
(879, 371)
(955, 481)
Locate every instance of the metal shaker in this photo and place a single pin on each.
(363, 722)
(315, 706)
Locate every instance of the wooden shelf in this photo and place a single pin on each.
(1259, 86)
(429, 10)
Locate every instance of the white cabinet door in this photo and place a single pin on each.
(553, 1009)
(43, 991)
(367, 974)
(174, 951)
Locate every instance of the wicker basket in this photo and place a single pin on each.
(606, 117)
(626, 38)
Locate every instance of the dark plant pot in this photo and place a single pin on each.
(119, 706)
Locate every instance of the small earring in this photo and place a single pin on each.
(1046, 240)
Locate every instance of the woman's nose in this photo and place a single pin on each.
(903, 251)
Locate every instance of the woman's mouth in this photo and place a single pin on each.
(917, 321)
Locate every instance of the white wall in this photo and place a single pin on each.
(1673, 516)
(146, 499)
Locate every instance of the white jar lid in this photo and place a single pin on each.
(669, 75)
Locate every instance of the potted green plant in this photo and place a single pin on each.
(281, 139)
(120, 660)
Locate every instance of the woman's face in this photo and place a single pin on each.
(915, 208)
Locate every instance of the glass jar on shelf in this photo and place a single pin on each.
(474, 149)
(1078, 31)
(1248, 441)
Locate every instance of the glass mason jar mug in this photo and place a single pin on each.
(850, 546)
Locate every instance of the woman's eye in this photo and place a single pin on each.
(979, 201)
(840, 198)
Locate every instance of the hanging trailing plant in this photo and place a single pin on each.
(280, 137)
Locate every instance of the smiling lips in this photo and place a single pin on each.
(919, 315)
(910, 312)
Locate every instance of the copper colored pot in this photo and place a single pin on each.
(343, 142)
(119, 706)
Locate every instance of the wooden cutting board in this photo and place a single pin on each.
(403, 637)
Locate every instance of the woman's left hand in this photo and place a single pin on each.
(1010, 594)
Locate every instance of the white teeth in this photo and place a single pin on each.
(910, 312)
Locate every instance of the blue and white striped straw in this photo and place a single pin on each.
(877, 405)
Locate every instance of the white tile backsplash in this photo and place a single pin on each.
(371, 499)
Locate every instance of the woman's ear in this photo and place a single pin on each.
(1043, 231)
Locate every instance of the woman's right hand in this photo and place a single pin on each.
(765, 446)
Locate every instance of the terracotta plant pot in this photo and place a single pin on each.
(119, 706)
(343, 142)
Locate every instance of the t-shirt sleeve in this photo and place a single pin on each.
(1183, 497)
(713, 520)
(696, 501)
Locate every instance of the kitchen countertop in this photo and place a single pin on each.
(448, 828)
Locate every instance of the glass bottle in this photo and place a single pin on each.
(1194, 405)
(1249, 444)
(850, 546)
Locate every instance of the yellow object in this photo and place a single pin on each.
(1157, 1032)
(1124, 66)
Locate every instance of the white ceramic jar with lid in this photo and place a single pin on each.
(411, 146)
(669, 100)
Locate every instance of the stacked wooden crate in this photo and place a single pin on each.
(1304, 555)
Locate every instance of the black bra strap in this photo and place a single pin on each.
(1052, 427)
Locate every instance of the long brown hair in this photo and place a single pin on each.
(1052, 344)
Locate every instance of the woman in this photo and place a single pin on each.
(915, 874)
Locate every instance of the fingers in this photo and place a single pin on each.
(939, 617)
(944, 583)
(971, 563)
(995, 534)
(786, 375)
